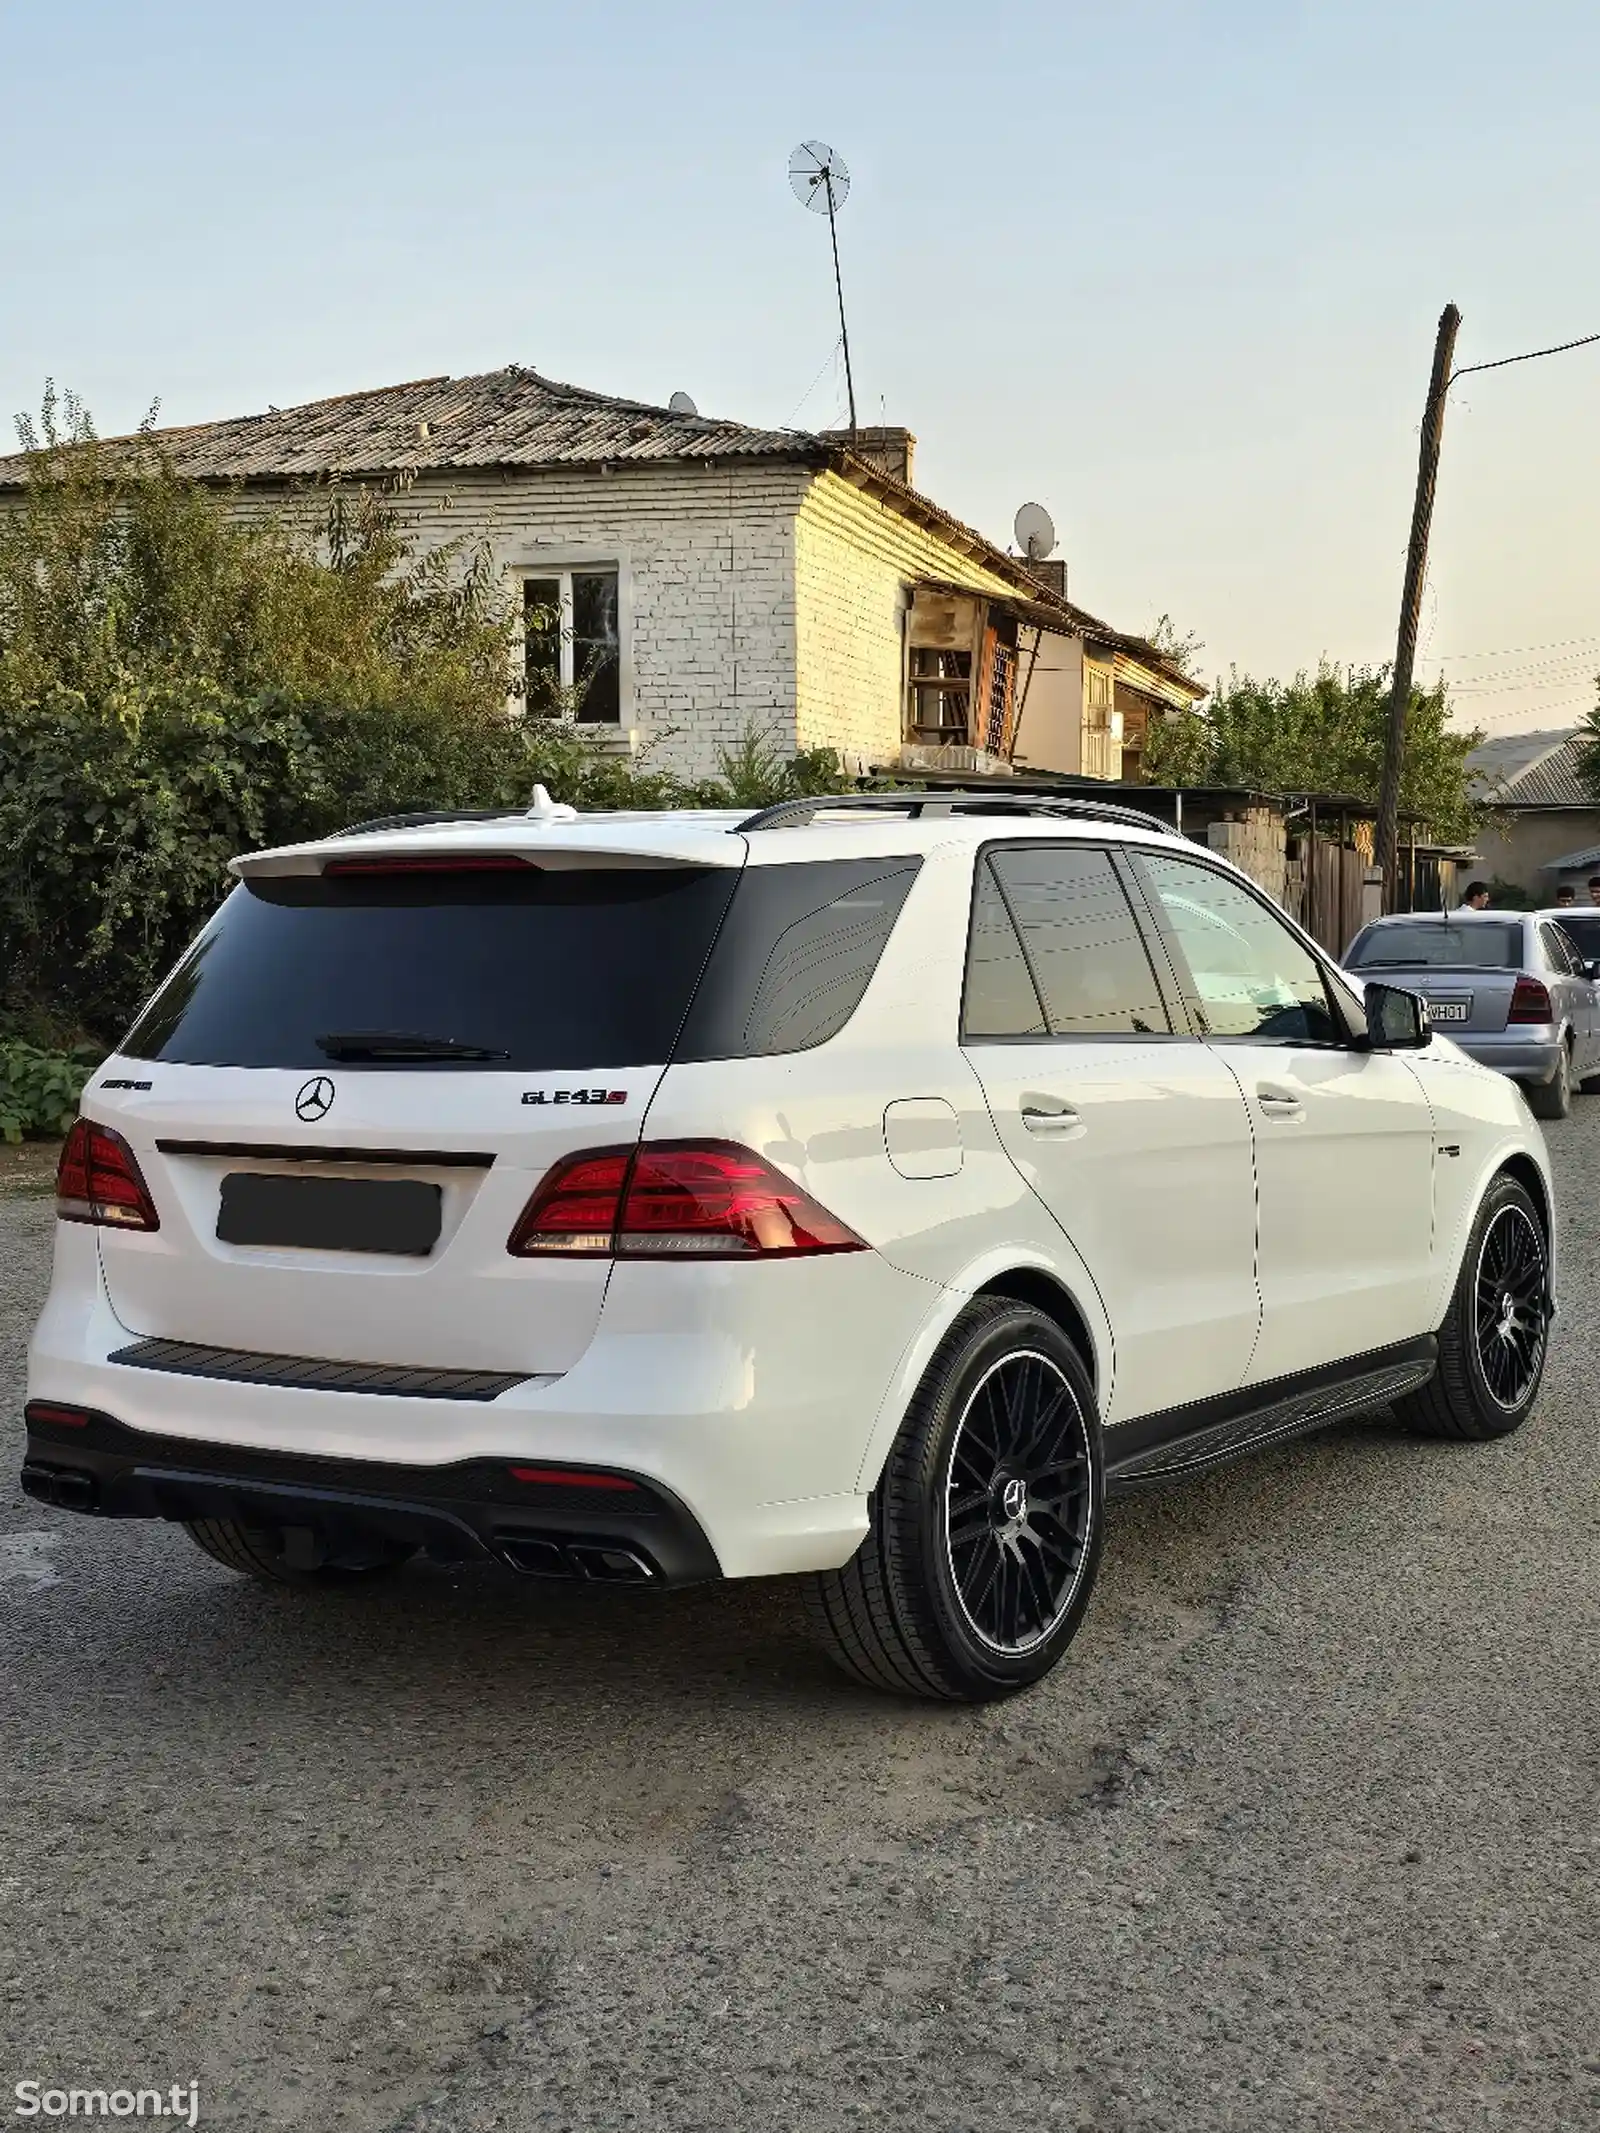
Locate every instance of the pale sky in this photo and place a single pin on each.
(1173, 270)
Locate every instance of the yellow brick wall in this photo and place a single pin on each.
(855, 560)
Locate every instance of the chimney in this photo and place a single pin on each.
(884, 446)
(1050, 570)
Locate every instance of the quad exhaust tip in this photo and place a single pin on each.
(594, 1562)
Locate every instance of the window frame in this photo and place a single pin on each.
(1343, 1010)
(1182, 1030)
(563, 567)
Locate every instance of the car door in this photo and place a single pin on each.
(1343, 1136)
(1131, 1131)
(1575, 995)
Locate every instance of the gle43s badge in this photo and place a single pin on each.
(574, 1096)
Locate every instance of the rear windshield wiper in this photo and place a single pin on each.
(399, 1044)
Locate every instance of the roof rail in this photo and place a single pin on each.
(951, 800)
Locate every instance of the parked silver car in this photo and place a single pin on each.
(1512, 988)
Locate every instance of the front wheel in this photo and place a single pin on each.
(986, 1523)
(1494, 1339)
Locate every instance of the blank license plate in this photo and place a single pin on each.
(1448, 1010)
(399, 1215)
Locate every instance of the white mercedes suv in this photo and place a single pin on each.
(864, 1189)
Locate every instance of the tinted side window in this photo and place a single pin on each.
(1082, 942)
(1584, 934)
(795, 955)
(1000, 998)
(1251, 977)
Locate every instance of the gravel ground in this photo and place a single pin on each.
(1303, 1835)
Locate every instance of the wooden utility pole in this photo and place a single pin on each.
(1387, 839)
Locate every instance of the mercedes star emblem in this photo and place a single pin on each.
(1014, 1502)
(315, 1099)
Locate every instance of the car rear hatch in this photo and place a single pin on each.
(1466, 972)
(344, 1096)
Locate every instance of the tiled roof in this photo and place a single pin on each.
(506, 418)
(1530, 770)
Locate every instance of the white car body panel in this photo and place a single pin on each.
(766, 1395)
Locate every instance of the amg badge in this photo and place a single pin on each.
(574, 1096)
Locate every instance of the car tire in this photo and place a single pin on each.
(1553, 1098)
(1495, 1337)
(259, 1552)
(986, 1522)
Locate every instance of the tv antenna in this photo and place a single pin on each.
(821, 182)
(1035, 532)
(681, 404)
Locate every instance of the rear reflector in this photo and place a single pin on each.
(566, 1477)
(1530, 1002)
(676, 1200)
(98, 1180)
(54, 1417)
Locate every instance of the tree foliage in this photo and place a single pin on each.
(1588, 764)
(182, 679)
(1322, 732)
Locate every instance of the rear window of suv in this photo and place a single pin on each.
(526, 968)
(1475, 944)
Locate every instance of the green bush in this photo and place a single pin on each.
(39, 1091)
(179, 683)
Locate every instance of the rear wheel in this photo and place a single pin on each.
(1554, 1098)
(1493, 1342)
(270, 1554)
(986, 1523)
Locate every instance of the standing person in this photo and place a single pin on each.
(1567, 896)
(1477, 896)
(1594, 888)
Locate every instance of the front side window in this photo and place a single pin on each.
(1055, 949)
(1249, 975)
(573, 645)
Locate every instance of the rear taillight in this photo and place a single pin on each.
(98, 1179)
(1530, 1002)
(676, 1200)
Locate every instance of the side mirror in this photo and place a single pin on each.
(1396, 1021)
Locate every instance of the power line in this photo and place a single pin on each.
(1532, 356)
(1505, 651)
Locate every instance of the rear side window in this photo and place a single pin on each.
(1470, 944)
(1078, 950)
(1584, 933)
(525, 968)
(797, 952)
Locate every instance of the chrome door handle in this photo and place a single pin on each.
(1045, 1115)
(1279, 1103)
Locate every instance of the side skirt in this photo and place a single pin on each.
(1183, 1441)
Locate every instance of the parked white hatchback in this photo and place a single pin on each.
(862, 1188)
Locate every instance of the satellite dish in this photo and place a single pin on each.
(1035, 532)
(681, 404)
(819, 177)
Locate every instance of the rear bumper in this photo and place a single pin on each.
(747, 1395)
(1526, 1055)
(619, 1530)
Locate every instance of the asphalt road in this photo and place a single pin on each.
(1305, 1834)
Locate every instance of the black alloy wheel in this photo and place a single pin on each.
(1495, 1337)
(1018, 1502)
(986, 1520)
(1509, 1306)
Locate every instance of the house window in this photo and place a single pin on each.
(941, 693)
(573, 646)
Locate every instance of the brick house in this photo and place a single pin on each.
(689, 579)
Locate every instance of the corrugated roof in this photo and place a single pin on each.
(1530, 770)
(506, 418)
